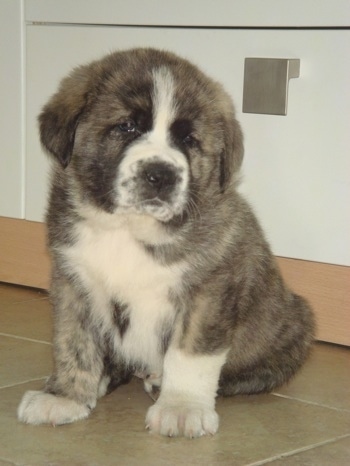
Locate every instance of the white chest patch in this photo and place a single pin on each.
(115, 267)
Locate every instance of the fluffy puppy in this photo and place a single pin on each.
(160, 268)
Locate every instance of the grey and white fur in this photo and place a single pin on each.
(160, 268)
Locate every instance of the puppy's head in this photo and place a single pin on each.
(143, 131)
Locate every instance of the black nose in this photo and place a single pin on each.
(160, 176)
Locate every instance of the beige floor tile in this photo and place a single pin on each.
(252, 428)
(325, 378)
(332, 454)
(10, 294)
(29, 319)
(23, 360)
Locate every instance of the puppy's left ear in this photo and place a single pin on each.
(59, 117)
(232, 156)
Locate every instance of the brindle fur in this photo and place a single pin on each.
(232, 294)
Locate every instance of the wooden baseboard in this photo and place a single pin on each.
(24, 261)
(23, 256)
(327, 288)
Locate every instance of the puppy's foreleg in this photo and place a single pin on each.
(71, 391)
(186, 405)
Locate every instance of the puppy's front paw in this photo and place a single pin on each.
(39, 407)
(174, 418)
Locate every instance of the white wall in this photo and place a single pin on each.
(11, 128)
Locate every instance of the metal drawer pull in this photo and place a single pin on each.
(266, 81)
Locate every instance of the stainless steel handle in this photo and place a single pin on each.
(266, 82)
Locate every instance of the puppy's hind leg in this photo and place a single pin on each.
(274, 365)
(71, 391)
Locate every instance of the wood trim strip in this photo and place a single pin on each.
(327, 288)
(24, 261)
(23, 256)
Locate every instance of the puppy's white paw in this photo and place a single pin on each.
(191, 419)
(38, 407)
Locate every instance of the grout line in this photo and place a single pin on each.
(23, 382)
(9, 335)
(314, 403)
(299, 450)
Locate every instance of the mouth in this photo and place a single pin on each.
(155, 207)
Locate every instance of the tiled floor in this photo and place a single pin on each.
(306, 423)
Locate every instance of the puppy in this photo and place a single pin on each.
(160, 268)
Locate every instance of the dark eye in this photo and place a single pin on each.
(182, 132)
(128, 126)
(189, 141)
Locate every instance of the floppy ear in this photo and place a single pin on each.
(59, 117)
(232, 156)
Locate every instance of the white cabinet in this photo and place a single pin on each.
(297, 167)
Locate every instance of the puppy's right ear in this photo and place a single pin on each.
(59, 118)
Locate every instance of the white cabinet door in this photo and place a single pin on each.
(297, 167)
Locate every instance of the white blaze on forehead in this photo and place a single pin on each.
(155, 146)
(163, 102)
